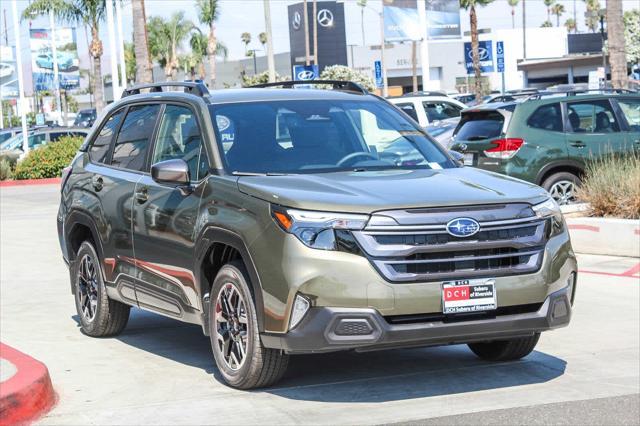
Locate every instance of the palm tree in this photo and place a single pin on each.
(558, 10)
(208, 14)
(165, 38)
(470, 5)
(130, 61)
(262, 37)
(199, 44)
(80, 12)
(591, 17)
(513, 4)
(246, 39)
(548, 4)
(140, 43)
(546, 24)
(616, 44)
(570, 24)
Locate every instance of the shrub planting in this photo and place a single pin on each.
(49, 160)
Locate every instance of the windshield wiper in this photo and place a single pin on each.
(477, 138)
(259, 174)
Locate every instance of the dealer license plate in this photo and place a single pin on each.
(468, 296)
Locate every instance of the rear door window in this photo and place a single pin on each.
(100, 146)
(592, 117)
(480, 125)
(547, 117)
(132, 144)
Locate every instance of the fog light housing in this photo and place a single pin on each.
(300, 307)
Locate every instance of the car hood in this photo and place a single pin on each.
(367, 192)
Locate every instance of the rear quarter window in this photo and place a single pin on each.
(480, 125)
(547, 117)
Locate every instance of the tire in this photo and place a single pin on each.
(99, 315)
(505, 350)
(555, 183)
(233, 329)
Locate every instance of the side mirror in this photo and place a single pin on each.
(457, 157)
(171, 171)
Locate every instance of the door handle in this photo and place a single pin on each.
(142, 196)
(577, 144)
(98, 183)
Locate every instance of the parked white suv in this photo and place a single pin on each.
(428, 109)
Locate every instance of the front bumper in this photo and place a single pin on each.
(326, 329)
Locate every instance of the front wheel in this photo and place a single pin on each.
(505, 350)
(99, 315)
(242, 360)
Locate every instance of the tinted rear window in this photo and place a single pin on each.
(478, 126)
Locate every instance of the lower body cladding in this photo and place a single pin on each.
(326, 329)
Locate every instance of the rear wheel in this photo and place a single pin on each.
(505, 350)
(233, 329)
(99, 315)
(562, 187)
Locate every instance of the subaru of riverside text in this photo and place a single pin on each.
(287, 220)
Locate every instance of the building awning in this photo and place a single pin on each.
(594, 59)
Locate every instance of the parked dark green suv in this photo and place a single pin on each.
(548, 140)
(288, 221)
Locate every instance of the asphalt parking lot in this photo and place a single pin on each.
(162, 371)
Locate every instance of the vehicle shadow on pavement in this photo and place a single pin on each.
(407, 373)
(350, 376)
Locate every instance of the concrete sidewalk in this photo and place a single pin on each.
(161, 371)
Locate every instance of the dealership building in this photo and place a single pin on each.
(552, 55)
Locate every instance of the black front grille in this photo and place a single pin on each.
(418, 249)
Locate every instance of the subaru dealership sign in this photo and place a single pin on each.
(485, 52)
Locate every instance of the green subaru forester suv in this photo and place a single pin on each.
(549, 139)
(292, 221)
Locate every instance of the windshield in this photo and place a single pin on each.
(313, 136)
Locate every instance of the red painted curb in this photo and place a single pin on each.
(27, 182)
(584, 228)
(29, 393)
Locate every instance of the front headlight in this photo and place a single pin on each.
(316, 229)
(550, 209)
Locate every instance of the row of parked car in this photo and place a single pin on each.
(542, 137)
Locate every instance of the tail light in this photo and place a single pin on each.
(504, 148)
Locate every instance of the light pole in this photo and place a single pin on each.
(270, 59)
(385, 87)
(112, 51)
(123, 68)
(23, 100)
(56, 75)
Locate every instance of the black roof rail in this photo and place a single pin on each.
(573, 92)
(194, 88)
(348, 86)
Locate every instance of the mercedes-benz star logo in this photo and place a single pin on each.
(325, 18)
(297, 19)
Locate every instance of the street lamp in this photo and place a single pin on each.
(385, 87)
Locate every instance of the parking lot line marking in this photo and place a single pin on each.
(584, 228)
(631, 273)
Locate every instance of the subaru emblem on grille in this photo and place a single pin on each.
(463, 227)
